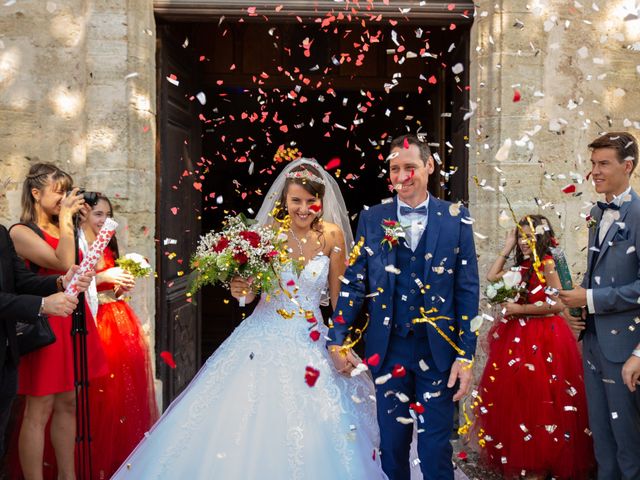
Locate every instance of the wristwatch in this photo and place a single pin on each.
(41, 310)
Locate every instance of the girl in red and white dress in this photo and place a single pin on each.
(531, 411)
(45, 239)
(123, 405)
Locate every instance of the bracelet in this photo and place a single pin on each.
(636, 352)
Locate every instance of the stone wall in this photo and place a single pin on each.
(576, 68)
(77, 88)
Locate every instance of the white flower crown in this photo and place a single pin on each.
(305, 175)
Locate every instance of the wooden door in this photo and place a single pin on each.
(178, 324)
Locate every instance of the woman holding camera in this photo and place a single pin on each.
(45, 239)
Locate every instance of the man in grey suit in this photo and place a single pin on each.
(610, 294)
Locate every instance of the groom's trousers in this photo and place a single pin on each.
(614, 415)
(422, 382)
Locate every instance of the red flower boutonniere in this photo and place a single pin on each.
(392, 233)
(591, 222)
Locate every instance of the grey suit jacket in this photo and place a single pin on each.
(616, 281)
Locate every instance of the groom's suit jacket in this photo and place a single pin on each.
(451, 286)
(613, 273)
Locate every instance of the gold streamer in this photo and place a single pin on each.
(432, 321)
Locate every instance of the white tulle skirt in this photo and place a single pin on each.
(249, 414)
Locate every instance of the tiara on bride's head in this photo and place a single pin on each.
(304, 175)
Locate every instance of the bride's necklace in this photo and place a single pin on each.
(299, 242)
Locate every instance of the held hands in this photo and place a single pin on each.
(460, 370)
(512, 308)
(577, 324)
(122, 279)
(344, 362)
(59, 304)
(71, 204)
(575, 298)
(631, 372)
(241, 288)
(510, 241)
(83, 281)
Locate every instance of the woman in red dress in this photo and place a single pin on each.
(45, 238)
(123, 404)
(531, 412)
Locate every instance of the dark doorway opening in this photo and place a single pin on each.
(333, 93)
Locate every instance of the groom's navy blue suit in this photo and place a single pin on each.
(441, 275)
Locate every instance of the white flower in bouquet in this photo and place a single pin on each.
(512, 279)
(492, 291)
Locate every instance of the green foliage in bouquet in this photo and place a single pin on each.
(135, 264)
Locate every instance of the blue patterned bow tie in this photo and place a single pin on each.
(605, 206)
(408, 210)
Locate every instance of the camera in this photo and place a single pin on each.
(90, 198)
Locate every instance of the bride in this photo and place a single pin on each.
(253, 411)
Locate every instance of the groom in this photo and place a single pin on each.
(610, 292)
(432, 268)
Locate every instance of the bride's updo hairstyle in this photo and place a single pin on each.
(309, 178)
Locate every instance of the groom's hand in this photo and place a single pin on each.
(343, 361)
(460, 370)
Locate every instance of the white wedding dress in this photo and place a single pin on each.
(248, 414)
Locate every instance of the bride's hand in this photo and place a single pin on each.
(241, 288)
(343, 362)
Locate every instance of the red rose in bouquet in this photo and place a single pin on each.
(252, 237)
(221, 245)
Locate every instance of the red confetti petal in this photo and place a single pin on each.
(398, 371)
(569, 188)
(311, 376)
(417, 407)
(174, 210)
(432, 80)
(406, 144)
(516, 96)
(315, 335)
(451, 7)
(333, 163)
(197, 186)
(284, 128)
(339, 319)
(167, 357)
(373, 360)
(290, 283)
(462, 455)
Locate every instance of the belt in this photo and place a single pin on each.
(107, 296)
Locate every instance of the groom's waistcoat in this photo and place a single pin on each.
(407, 298)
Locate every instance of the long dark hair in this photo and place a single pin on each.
(113, 243)
(316, 189)
(39, 176)
(544, 240)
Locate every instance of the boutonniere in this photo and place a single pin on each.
(591, 222)
(392, 233)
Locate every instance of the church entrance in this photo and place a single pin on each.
(238, 86)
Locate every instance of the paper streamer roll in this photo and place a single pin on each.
(95, 252)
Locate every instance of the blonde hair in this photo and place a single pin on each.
(39, 176)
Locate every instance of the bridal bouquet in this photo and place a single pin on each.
(135, 264)
(242, 248)
(507, 288)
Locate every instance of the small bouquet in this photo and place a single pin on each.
(507, 288)
(135, 264)
(242, 248)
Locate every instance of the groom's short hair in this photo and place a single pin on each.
(410, 139)
(625, 145)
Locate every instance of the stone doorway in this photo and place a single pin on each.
(262, 90)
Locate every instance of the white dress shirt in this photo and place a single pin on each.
(609, 216)
(414, 224)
